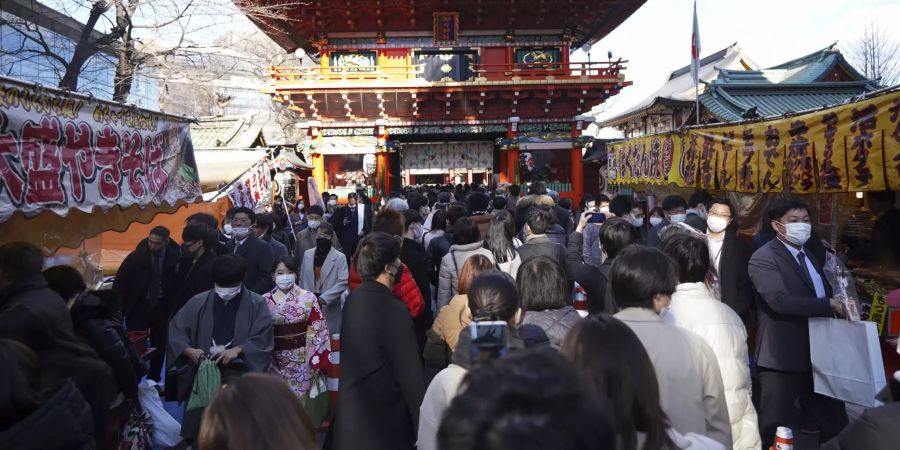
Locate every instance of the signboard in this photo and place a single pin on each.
(446, 29)
(61, 151)
(852, 147)
(253, 186)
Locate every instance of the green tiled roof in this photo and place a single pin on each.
(235, 132)
(794, 86)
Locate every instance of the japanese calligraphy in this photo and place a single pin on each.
(864, 122)
(747, 172)
(707, 161)
(831, 178)
(800, 169)
(771, 180)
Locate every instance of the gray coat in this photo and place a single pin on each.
(555, 323)
(451, 264)
(330, 286)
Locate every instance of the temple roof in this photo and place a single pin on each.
(819, 79)
(679, 87)
(233, 132)
(587, 21)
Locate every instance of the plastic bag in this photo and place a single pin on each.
(842, 285)
(166, 430)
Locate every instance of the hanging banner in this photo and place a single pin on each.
(649, 159)
(253, 186)
(852, 147)
(60, 151)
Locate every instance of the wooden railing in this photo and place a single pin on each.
(481, 72)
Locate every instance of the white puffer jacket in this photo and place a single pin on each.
(694, 308)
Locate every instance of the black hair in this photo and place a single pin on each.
(498, 203)
(19, 260)
(325, 227)
(638, 274)
(204, 218)
(726, 202)
(389, 221)
(465, 232)
(416, 200)
(690, 255)
(376, 250)
(537, 188)
(542, 284)
(478, 202)
(160, 231)
(229, 270)
(673, 201)
(601, 198)
(657, 211)
(200, 232)
(241, 209)
(411, 216)
(500, 236)
(352, 195)
(621, 205)
(289, 262)
(538, 219)
(582, 204)
(528, 400)
(566, 204)
(492, 295)
(265, 220)
(21, 392)
(514, 189)
(616, 234)
(455, 212)
(781, 207)
(699, 197)
(439, 220)
(608, 353)
(65, 281)
(315, 209)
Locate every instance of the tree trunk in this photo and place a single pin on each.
(84, 49)
(124, 71)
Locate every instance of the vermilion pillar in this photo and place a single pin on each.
(512, 154)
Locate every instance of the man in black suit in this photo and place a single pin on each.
(792, 288)
(351, 223)
(254, 250)
(536, 241)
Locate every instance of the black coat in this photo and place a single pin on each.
(348, 234)
(413, 255)
(786, 303)
(194, 277)
(99, 328)
(381, 373)
(734, 282)
(63, 422)
(437, 249)
(133, 281)
(33, 294)
(94, 380)
(875, 429)
(260, 258)
(592, 279)
(542, 246)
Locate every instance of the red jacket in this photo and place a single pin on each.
(406, 290)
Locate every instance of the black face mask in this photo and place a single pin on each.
(186, 250)
(323, 244)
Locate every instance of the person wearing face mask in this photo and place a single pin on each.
(729, 256)
(381, 371)
(642, 280)
(255, 251)
(696, 214)
(351, 223)
(674, 208)
(302, 336)
(228, 324)
(145, 286)
(414, 257)
(306, 238)
(792, 288)
(638, 220)
(657, 216)
(324, 273)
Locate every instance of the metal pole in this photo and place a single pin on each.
(697, 95)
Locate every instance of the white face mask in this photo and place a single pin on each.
(677, 218)
(240, 232)
(604, 209)
(797, 233)
(637, 221)
(332, 202)
(314, 224)
(227, 229)
(228, 293)
(285, 281)
(654, 221)
(716, 224)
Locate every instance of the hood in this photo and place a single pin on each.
(693, 291)
(462, 356)
(531, 200)
(466, 247)
(64, 421)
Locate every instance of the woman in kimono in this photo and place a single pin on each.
(301, 332)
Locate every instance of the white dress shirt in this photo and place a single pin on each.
(360, 218)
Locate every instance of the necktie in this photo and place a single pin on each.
(801, 258)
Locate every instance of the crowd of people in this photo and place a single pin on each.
(659, 359)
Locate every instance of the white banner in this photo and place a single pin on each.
(253, 186)
(60, 151)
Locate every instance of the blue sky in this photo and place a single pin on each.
(656, 39)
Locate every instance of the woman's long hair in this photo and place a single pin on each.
(613, 358)
(256, 411)
(500, 236)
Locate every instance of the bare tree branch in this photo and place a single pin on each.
(877, 53)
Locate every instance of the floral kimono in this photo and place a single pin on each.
(301, 338)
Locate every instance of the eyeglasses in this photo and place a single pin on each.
(715, 214)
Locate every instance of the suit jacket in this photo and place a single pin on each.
(260, 258)
(133, 281)
(194, 277)
(330, 286)
(787, 300)
(542, 246)
(690, 383)
(381, 373)
(278, 248)
(349, 234)
(737, 291)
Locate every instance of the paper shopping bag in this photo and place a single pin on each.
(846, 360)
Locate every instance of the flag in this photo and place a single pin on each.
(695, 49)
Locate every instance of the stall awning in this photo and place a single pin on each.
(224, 166)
